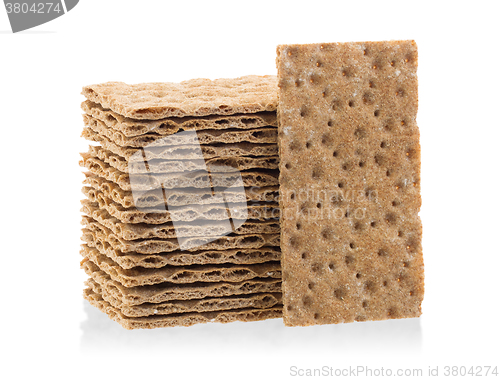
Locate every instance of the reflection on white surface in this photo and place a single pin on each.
(265, 337)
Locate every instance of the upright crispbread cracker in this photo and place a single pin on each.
(188, 197)
(255, 301)
(183, 319)
(349, 182)
(197, 179)
(171, 166)
(254, 210)
(180, 275)
(99, 234)
(201, 228)
(263, 135)
(184, 152)
(167, 291)
(196, 97)
(133, 127)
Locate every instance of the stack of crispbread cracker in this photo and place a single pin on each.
(181, 220)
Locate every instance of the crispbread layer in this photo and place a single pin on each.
(196, 97)
(256, 301)
(167, 291)
(133, 127)
(183, 319)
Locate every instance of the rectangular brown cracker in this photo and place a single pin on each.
(183, 319)
(254, 301)
(196, 97)
(99, 234)
(170, 166)
(201, 228)
(254, 210)
(349, 182)
(165, 292)
(188, 152)
(196, 179)
(232, 256)
(133, 127)
(180, 275)
(263, 135)
(125, 198)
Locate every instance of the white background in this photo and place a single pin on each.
(47, 329)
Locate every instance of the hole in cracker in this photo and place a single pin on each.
(352, 245)
(316, 315)
(349, 260)
(340, 185)
(289, 308)
(294, 145)
(388, 173)
(358, 275)
(298, 226)
(308, 145)
(294, 242)
(379, 159)
(314, 78)
(330, 123)
(292, 196)
(287, 165)
(326, 139)
(403, 122)
(411, 153)
(391, 313)
(383, 144)
(384, 283)
(376, 113)
(317, 172)
(318, 205)
(370, 286)
(347, 214)
(351, 103)
(395, 203)
(304, 111)
(400, 92)
(347, 165)
(368, 98)
(304, 256)
(316, 267)
(298, 83)
(331, 266)
(382, 253)
(360, 133)
(307, 301)
(335, 153)
(359, 226)
(371, 84)
(364, 304)
(327, 233)
(311, 285)
(340, 293)
(336, 105)
(390, 218)
(373, 224)
(361, 164)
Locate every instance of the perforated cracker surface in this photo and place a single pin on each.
(349, 182)
(196, 97)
